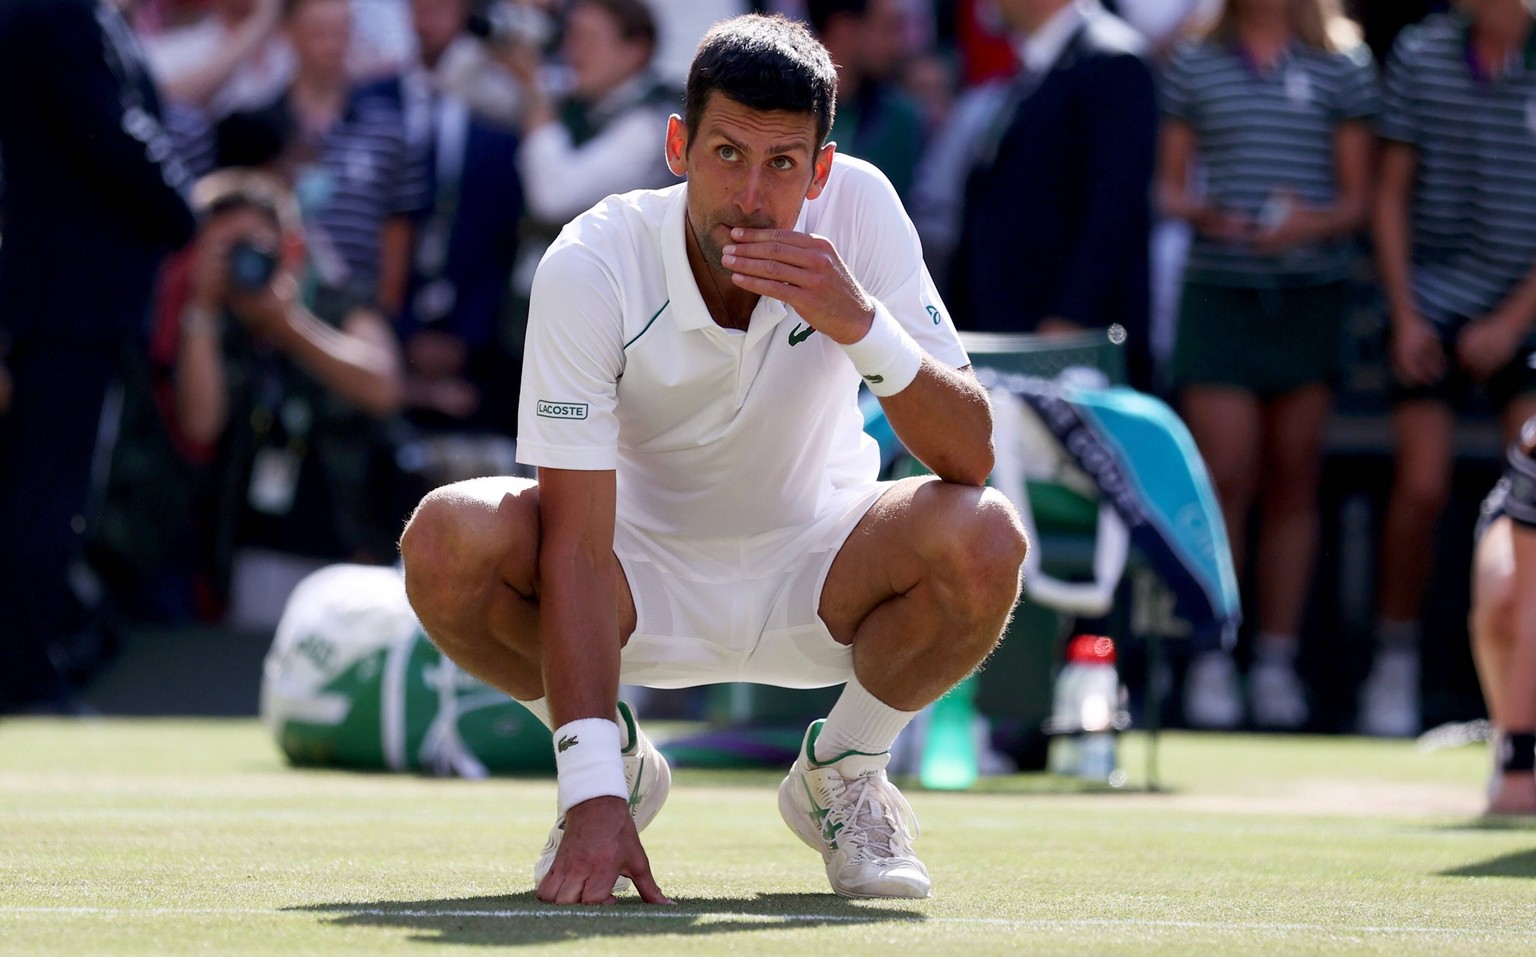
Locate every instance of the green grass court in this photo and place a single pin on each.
(170, 837)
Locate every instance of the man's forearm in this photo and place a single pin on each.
(578, 634)
(945, 419)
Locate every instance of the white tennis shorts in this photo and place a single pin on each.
(710, 611)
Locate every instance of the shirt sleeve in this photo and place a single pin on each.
(409, 190)
(1400, 94)
(572, 359)
(1359, 95)
(882, 250)
(1176, 93)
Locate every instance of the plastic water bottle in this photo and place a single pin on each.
(1086, 711)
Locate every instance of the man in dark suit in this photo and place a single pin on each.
(93, 199)
(1056, 216)
(461, 371)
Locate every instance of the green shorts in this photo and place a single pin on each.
(1265, 341)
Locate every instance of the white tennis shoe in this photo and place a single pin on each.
(851, 812)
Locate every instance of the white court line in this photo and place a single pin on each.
(874, 916)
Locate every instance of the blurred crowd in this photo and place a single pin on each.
(264, 263)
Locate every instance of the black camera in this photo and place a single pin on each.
(250, 266)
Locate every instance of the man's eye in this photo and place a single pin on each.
(782, 162)
(727, 153)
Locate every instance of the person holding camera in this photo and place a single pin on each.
(286, 403)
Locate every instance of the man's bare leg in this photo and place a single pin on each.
(471, 558)
(471, 573)
(922, 589)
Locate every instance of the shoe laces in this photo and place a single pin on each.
(876, 822)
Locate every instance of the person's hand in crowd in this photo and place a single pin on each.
(265, 309)
(1286, 223)
(210, 267)
(435, 362)
(1221, 224)
(1417, 355)
(524, 61)
(1484, 346)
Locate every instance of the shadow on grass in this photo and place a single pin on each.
(514, 919)
(1517, 864)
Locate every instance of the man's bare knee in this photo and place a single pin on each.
(464, 540)
(985, 550)
(427, 554)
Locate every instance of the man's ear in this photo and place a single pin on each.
(821, 169)
(677, 145)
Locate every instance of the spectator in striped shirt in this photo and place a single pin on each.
(1274, 105)
(1455, 228)
(358, 177)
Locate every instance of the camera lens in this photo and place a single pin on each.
(250, 266)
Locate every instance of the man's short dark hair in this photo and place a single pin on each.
(764, 63)
(821, 12)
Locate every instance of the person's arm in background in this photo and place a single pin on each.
(1353, 145)
(1488, 343)
(396, 239)
(1417, 356)
(1357, 106)
(360, 362)
(201, 379)
(198, 83)
(1179, 147)
(129, 160)
(408, 197)
(561, 179)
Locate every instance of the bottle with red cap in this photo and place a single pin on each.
(1087, 711)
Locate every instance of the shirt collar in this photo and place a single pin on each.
(1040, 50)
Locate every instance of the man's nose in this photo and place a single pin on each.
(749, 198)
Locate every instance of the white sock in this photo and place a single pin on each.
(859, 722)
(539, 708)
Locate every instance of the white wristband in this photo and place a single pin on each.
(886, 357)
(588, 761)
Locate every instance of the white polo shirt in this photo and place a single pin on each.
(713, 433)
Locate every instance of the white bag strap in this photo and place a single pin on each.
(1024, 449)
(443, 751)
